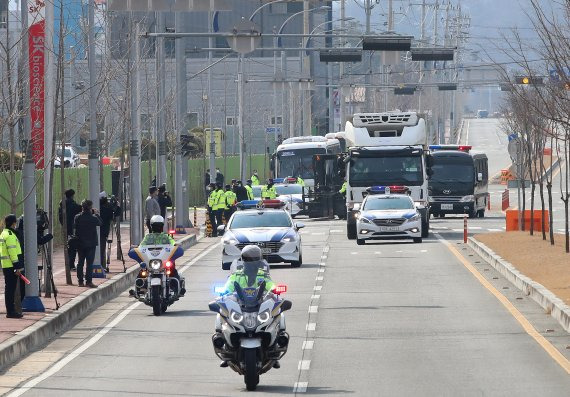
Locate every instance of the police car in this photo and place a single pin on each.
(267, 225)
(291, 194)
(388, 212)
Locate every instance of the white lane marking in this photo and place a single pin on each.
(318, 287)
(326, 249)
(336, 231)
(323, 257)
(315, 296)
(59, 365)
(423, 250)
(495, 230)
(467, 135)
(313, 309)
(319, 278)
(457, 230)
(300, 387)
(308, 344)
(311, 326)
(438, 227)
(354, 253)
(474, 227)
(321, 270)
(304, 365)
(378, 253)
(399, 251)
(318, 234)
(322, 264)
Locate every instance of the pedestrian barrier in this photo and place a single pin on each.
(209, 231)
(512, 220)
(505, 200)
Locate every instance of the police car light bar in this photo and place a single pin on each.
(388, 190)
(273, 203)
(461, 148)
(260, 204)
(278, 180)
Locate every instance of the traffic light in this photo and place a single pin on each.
(529, 80)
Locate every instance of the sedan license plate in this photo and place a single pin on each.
(447, 206)
(390, 229)
(266, 250)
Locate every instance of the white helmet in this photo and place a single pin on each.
(157, 219)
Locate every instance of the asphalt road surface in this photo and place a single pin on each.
(388, 318)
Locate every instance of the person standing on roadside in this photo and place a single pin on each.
(231, 200)
(12, 265)
(249, 189)
(212, 201)
(151, 206)
(255, 178)
(219, 177)
(85, 228)
(241, 192)
(164, 200)
(71, 209)
(107, 214)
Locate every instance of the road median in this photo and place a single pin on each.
(533, 266)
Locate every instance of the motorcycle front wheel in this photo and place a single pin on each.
(156, 300)
(251, 377)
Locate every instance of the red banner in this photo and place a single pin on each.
(36, 42)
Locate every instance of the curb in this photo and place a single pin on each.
(546, 299)
(56, 323)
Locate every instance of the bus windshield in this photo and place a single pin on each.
(297, 162)
(390, 170)
(453, 169)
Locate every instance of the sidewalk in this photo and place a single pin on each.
(10, 327)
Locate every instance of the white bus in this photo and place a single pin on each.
(294, 157)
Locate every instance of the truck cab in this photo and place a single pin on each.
(386, 149)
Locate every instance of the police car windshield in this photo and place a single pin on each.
(253, 219)
(289, 189)
(388, 203)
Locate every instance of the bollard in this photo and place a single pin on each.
(489, 201)
(195, 217)
(208, 227)
(465, 228)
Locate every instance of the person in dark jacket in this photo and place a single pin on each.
(164, 200)
(219, 177)
(85, 228)
(107, 214)
(240, 191)
(71, 210)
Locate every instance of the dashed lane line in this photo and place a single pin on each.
(308, 345)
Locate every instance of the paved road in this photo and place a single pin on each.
(387, 318)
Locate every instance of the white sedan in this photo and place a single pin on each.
(272, 230)
(392, 216)
(70, 158)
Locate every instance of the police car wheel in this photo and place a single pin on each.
(360, 241)
(297, 263)
(417, 239)
(226, 266)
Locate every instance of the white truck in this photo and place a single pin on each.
(386, 149)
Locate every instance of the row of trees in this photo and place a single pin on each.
(537, 107)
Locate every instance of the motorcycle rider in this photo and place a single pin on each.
(250, 275)
(158, 237)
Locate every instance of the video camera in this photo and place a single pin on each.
(42, 224)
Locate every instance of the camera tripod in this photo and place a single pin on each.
(45, 253)
(116, 226)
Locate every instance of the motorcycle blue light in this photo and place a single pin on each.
(220, 289)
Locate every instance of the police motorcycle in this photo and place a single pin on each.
(250, 335)
(158, 284)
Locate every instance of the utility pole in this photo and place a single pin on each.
(180, 55)
(435, 39)
(94, 171)
(50, 101)
(134, 157)
(422, 38)
(341, 69)
(32, 301)
(306, 73)
(160, 102)
(275, 44)
(242, 145)
(210, 107)
(368, 62)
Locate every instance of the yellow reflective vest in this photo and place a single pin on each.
(254, 180)
(268, 193)
(343, 188)
(300, 181)
(219, 200)
(211, 199)
(230, 198)
(249, 192)
(10, 249)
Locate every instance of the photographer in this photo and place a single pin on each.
(71, 209)
(164, 200)
(109, 210)
(85, 228)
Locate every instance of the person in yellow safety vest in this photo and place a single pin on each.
(300, 181)
(219, 203)
(231, 200)
(12, 265)
(269, 192)
(211, 212)
(249, 189)
(343, 188)
(255, 178)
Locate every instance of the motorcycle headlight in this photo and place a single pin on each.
(466, 199)
(364, 220)
(263, 317)
(236, 317)
(155, 264)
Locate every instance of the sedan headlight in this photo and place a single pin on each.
(289, 238)
(414, 218)
(236, 317)
(229, 239)
(364, 220)
(466, 199)
(155, 264)
(263, 317)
